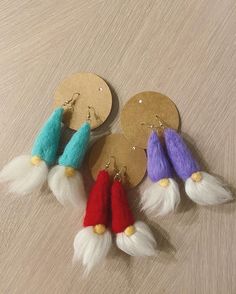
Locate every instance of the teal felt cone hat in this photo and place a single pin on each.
(46, 143)
(75, 150)
(28, 173)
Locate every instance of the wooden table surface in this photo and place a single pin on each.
(184, 49)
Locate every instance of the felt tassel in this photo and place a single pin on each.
(200, 186)
(134, 238)
(26, 173)
(65, 180)
(93, 242)
(163, 196)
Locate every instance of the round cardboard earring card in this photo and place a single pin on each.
(92, 97)
(117, 150)
(141, 112)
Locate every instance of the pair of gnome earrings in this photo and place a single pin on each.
(164, 196)
(27, 173)
(108, 209)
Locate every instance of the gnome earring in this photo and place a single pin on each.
(93, 242)
(64, 179)
(163, 196)
(200, 186)
(134, 238)
(27, 173)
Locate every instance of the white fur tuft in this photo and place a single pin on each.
(91, 248)
(141, 243)
(67, 189)
(209, 191)
(159, 201)
(23, 176)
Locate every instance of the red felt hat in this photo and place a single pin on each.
(122, 216)
(97, 210)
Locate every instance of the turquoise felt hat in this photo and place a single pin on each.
(46, 143)
(75, 150)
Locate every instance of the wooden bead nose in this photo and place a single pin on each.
(129, 231)
(99, 229)
(196, 177)
(164, 182)
(69, 171)
(35, 160)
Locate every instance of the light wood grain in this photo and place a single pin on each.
(184, 49)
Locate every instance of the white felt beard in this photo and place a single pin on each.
(141, 243)
(158, 200)
(208, 191)
(91, 248)
(23, 176)
(67, 189)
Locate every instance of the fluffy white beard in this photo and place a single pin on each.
(67, 189)
(23, 176)
(141, 243)
(209, 191)
(91, 248)
(159, 201)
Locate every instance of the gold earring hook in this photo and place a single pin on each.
(108, 163)
(151, 126)
(94, 114)
(70, 103)
(161, 122)
(89, 113)
(162, 125)
(118, 175)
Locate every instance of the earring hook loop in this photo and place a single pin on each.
(108, 163)
(70, 103)
(162, 125)
(118, 175)
(161, 122)
(97, 118)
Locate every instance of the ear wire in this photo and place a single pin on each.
(89, 115)
(162, 124)
(108, 163)
(151, 126)
(70, 103)
(120, 173)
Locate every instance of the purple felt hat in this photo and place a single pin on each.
(158, 165)
(180, 156)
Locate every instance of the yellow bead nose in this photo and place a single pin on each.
(196, 177)
(99, 229)
(69, 171)
(129, 231)
(164, 182)
(35, 160)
